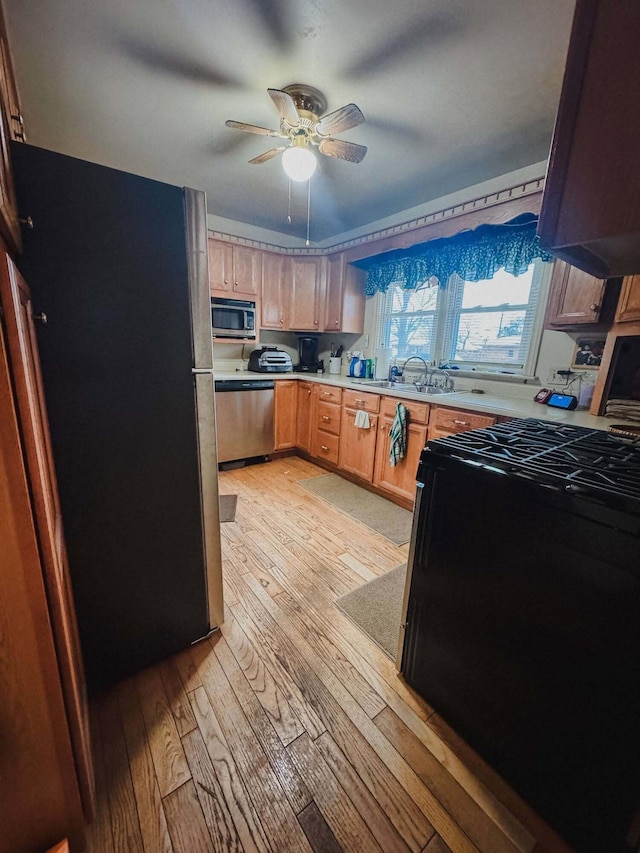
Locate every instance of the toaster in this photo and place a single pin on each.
(270, 360)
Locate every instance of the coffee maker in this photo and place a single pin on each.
(308, 354)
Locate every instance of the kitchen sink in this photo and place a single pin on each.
(428, 390)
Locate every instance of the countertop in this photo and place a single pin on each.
(508, 407)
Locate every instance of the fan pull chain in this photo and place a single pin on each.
(289, 207)
(308, 208)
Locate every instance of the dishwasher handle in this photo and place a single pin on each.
(244, 385)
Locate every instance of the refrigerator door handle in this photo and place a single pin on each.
(207, 449)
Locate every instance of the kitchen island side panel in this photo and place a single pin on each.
(107, 262)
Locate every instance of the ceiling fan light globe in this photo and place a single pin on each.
(299, 163)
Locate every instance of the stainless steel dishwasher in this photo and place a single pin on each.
(244, 418)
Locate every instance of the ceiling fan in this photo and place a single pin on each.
(303, 124)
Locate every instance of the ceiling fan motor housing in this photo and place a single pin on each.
(307, 98)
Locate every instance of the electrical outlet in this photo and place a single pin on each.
(558, 375)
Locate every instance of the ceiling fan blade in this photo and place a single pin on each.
(340, 120)
(262, 158)
(285, 106)
(343, 150)
(252, 128)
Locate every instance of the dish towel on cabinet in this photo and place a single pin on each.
(362, 419)
(398, 436)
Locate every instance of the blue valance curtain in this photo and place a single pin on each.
(474, 255)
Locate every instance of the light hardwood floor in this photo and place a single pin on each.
(289, 730)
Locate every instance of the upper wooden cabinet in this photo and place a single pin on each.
(234, 269)
(629, 304)
(590, 213)
(307, 275)
(275, 293)
(344, 305)
(575, 297)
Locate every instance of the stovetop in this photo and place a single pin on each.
(581, 461)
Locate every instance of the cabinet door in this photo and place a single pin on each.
(247, 270)
(220, 268)
(400, 479)
(333, 304)
(353, 300)
(305, 415)
(629, 305)
(306, 293)
(274, 302)
(286, 410)
(33, 417)
(357, 445)
(575, 297)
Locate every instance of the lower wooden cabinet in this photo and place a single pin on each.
(306, 402)
(400, 479)
(446, 421)
(357, 445)
(286, 410)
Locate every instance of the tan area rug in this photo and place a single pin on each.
(377, 512)
(376, 608)
(228, 507)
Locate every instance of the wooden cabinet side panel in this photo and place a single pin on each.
(629, 304)
(38, 788)
(353, 300)
(39, 458)
(306, 408)
(286, 410)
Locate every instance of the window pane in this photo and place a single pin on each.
(411, 335)
(414, 300)
(502, 289)
(489, 337)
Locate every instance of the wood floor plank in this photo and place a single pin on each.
(216, 814)
(152, 819)
(478, 826)
(99, 832)
(177, 696)
(437, 845)
(313, 677)
(122, 802)
(346, 823)
(317, 830)
(292, 784)
(283, 831)
(168, 756)
(275, 664)
(368, 699)
(188, 673)
(187, 827)
(237, 800)
(375, 817)
(267, 692)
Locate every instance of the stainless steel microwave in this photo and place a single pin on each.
(233, 318)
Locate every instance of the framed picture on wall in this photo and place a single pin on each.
(588, 353)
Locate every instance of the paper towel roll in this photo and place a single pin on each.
(383, 357)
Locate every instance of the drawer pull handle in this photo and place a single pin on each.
(326, 418)
(324, 447)
(327, 394)
(358, 400)
(462, 423)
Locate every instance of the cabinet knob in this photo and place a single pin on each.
(324, 447)
(226, 281)
(41, 318)
(315, 322)
(27, 221)
(235, 283)
(594, 306)
(326, 418)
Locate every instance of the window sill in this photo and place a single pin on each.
(493, 375)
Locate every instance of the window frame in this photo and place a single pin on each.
(540, 281)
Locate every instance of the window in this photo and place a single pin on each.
(492, 324)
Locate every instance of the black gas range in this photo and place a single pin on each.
(587, 463)
(523, 621)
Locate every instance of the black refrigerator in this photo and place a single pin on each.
(118, 264)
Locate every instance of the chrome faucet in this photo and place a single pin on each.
(425, 375)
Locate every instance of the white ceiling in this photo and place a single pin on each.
(454, 92)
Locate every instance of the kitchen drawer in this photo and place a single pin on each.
(418, 412)
(328, 417)
(325, 446)
(329, 394)
(358, 400)
(456, 420)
